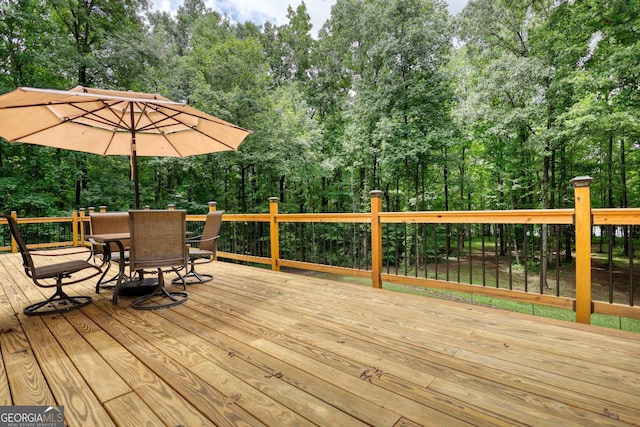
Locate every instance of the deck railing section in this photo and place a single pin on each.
(245, 238)
(615, 247)
(538, 256)
(337, 243)
(47, 232)
(495, 253)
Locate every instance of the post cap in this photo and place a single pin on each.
(376, 193)
(581, 181)
(274, 199)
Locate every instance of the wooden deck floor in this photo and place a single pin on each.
(256, 347)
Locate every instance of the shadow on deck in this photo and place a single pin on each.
(256, 347)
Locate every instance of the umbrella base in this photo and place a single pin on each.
(158, 298)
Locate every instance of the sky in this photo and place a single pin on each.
(275, 11)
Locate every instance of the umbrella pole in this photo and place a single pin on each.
(134, 172)
(134, 159)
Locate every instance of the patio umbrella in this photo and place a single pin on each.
(109, 122)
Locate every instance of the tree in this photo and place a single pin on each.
(394, 54)
(28, 47)
(99, 30)
(289, 47)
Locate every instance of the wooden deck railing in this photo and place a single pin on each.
(368, 241)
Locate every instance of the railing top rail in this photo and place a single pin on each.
(616, 216)
(41, 220)
(245, 217)
(523, 216)
(325, 217)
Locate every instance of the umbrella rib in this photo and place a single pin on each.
(203, 116)
(85, 113)
(219, 122)
(193, 128)
(120, 120)
(18, 138)
(49, 104)
(92, 115)
(160, 131)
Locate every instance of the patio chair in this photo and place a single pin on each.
(109, 223)
(202, 250)
(158, 246)
(44, 275)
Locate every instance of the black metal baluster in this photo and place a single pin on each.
(510, 256)
(525, 247)
(470, 254)
(496, 235)
(484, 263)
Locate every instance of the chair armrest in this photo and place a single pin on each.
(48, 253)
(194, 238)
(202, 240)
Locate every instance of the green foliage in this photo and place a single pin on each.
(496, 109)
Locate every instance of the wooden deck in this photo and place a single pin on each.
(256, 347)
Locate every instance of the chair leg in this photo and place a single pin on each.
(192, 277)
(58, 303)
(180, 280)
(145, 303)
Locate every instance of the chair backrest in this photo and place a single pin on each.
(211, 229)
(27, 261)
(108, 223)
(158, 239)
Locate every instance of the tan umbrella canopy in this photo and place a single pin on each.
(112, 122)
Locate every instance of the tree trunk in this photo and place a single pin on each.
(446, 178)
(610, 171)
(544, 238)
(282, 188)
(242, 190)
(624, 197)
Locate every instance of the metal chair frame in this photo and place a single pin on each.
(158, 246)
(204, 251)
(60, 301)
(107, 223)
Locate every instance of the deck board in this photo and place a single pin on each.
(255, 347)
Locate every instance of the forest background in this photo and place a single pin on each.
(495, 108)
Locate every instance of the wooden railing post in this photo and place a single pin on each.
(75, 229)
(582, 195)
(14, 244)
(171, 206)
(275, 234)
(103, 208)
(83, 215)
(212, 206)
(376, 239)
